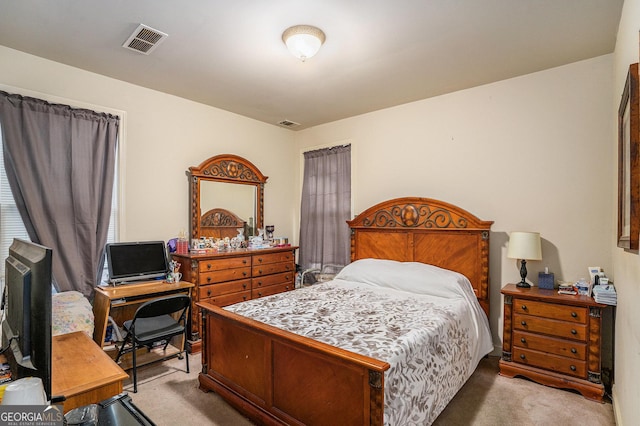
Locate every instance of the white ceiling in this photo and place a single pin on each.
(378, 53)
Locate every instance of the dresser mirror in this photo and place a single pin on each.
(227, 194)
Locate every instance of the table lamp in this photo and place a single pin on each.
(524, 246)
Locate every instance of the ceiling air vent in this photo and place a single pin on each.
(144, 39)
(287, 123)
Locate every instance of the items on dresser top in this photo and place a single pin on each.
(553, 339)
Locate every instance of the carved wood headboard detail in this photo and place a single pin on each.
(220, 223)
(413, 229)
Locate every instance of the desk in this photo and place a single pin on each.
(120, 303)
(82, 372)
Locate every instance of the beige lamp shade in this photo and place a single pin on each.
(524, 245)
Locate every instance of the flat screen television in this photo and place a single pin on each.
(26, 328)
(135, 261)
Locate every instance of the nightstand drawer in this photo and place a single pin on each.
(551, 327)
(547, 361)
(567, 348)
(551, 310)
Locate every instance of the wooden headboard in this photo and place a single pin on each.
(424, 230)
(220, 223)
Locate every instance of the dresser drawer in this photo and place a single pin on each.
(263, 259)
(214, 290)
(562, 347)
(551, 310)
(222, 264)
(229, 299)
(272, 289)
(283, 278)
(225, 275)
(273, 268)
(551, 327)
(559, 364)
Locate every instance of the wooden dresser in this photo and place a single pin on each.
(225, 278)
(553, 339)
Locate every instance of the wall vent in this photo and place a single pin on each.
(288, 123)
(144, 39)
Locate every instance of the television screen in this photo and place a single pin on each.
(136, 261)
(26, 329)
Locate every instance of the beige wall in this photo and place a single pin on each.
(530, 153)
(164, 136)
(626, 266)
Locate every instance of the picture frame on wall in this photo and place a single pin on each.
(629, 163)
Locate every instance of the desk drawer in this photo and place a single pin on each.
(221, 264)
(215, 290)
(272, 289)
(551, 327)
(547, 361)
(269, 280)
(225, 275)
(562, 347)
(551, 310)
(263, 259)
(273, 268)
(229, 299)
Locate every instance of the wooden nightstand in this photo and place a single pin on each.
(553, 339)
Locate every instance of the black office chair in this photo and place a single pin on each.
(153, 322)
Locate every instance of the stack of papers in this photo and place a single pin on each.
(605, 294)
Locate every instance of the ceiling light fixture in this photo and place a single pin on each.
(303, 41)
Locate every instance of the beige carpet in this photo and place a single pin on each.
(169, 396)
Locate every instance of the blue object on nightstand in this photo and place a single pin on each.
(546, 281)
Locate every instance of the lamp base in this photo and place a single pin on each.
(523, 284)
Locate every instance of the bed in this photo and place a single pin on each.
(419, 265)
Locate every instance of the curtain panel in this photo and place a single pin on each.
(60, 164)
(325, 208)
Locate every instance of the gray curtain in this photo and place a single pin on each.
(325, 208)
(60, 166)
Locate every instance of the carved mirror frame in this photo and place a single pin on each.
(224, 168)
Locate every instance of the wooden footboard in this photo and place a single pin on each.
(277, 377)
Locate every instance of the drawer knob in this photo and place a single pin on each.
(244, 261)
(208, 279)
(574, 351)
(573, 331)
(244, 274)
(573, 368)
(208, 266)
(287, 287)
(523, 323)
(259, 294)
(523, 357)
(244, 285)
(574, 315)
(524, 307)
(208, 292)
(523, 340)
(259, 283)
(260, 271)
(259, 259)
(244, 297)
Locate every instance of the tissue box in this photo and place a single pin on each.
(546, 281)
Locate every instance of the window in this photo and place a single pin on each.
(11, 225)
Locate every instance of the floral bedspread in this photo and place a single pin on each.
(71, 311)
(430, 342)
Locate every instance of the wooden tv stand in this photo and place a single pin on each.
(121, 302)
(82, 372)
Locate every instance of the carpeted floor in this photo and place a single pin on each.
(169, 396)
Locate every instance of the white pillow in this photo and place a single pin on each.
(415, 277)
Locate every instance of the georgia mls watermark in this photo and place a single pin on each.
(31, 415)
